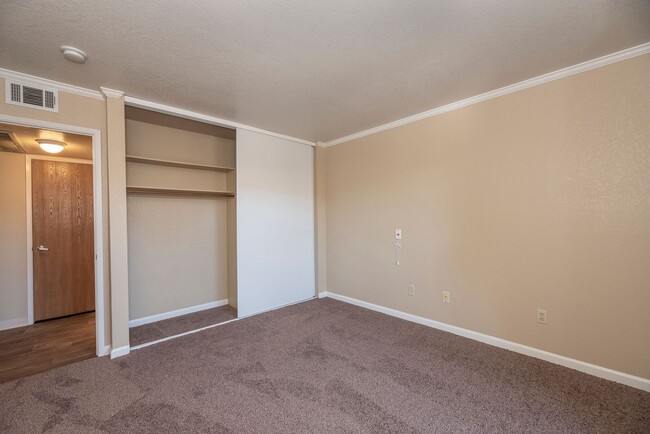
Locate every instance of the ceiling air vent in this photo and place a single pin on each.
(31, 96)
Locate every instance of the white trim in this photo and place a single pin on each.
(112, 93)
(551, 76)
(588, 368)
(44, 82)
(120, 351)
(323, 294)
(137, 347)
(177, 312)
(98, 210)
(30, 242)
(13, 323)
(161, 108)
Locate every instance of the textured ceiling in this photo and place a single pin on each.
(316, 70)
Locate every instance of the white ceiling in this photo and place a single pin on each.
(316, 70)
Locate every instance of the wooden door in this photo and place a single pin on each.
(63, 238)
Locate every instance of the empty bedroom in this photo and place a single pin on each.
(342, 216)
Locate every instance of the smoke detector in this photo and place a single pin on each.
(73, 54)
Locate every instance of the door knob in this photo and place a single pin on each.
(42, 249)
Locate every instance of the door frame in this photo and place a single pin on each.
(98, 211)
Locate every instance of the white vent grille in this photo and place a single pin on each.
(15, 92)
(30, 96)
(50, 99)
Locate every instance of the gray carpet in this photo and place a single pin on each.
(320, 366)
(181, 324)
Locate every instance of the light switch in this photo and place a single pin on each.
(398, 234)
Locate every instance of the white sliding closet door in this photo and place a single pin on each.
(275, 222)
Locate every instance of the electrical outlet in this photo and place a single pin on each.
(411, 289)
(398, 234)
(542, 316)
(446, 297)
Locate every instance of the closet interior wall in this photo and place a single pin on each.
(181, 182)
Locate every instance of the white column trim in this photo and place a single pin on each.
(112, 93)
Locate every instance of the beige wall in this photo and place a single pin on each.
(13, 236)
(178, 247)
(83, 112)
(537, 199)
(166, 143)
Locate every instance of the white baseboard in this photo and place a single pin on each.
(105, 351)
(322, 294)
(175, 313)
(588, 368)
(13, 323)
(120, 351)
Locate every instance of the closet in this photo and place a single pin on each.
(181, 181)
(215, 216)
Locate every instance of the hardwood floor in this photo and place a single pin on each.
(46, 345)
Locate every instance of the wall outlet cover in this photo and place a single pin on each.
(542, 316)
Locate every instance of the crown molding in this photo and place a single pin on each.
(536, 81)
(174, 111)
(44, 82)
(111, 93)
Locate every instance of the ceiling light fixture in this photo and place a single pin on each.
(73, 54)
(51, 146)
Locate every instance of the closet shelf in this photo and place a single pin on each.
(151, 191)
(157, 162)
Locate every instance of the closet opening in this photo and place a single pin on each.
(181, 216)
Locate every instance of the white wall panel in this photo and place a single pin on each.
(275, 222)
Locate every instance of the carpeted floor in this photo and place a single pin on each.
(320, 366)
(181, 324)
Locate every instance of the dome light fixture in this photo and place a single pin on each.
(51, 146)
(73, 54)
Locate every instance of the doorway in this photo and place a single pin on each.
(63, 303)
